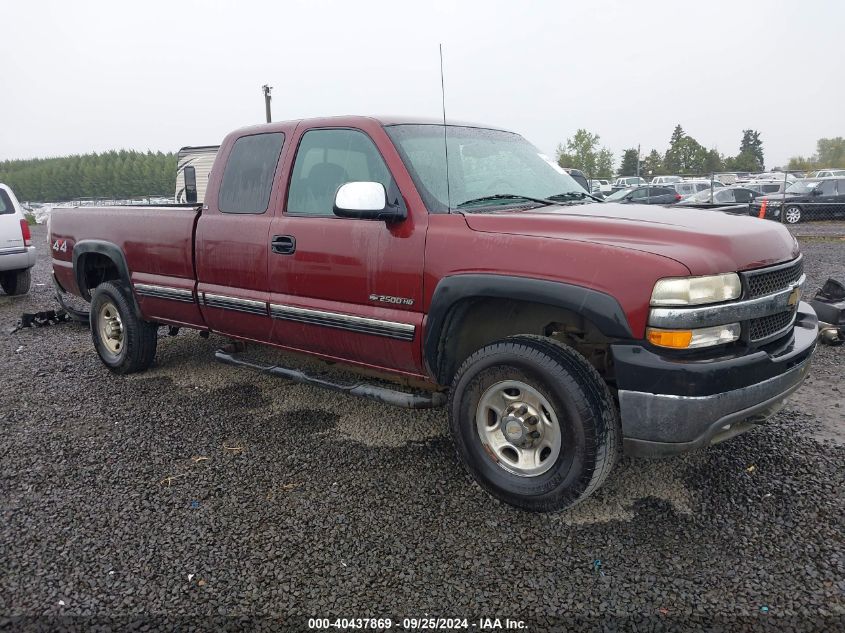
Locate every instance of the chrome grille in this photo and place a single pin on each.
(765, 327)
(769, 280)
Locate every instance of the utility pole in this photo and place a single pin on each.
(638, 162)
(267, 99)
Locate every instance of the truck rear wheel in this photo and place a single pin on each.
(16, 282)
(533, 423)
(125, 343)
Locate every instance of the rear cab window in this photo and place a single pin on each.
(248, 176)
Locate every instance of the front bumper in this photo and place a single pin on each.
(672, 405)
(18, 259)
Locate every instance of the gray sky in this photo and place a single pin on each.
(83, 76)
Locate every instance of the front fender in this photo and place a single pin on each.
(600, 308)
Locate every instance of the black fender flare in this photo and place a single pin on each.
(108, 249)
(600, 308)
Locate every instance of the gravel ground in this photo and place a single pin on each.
(830, 228)
(196, 495)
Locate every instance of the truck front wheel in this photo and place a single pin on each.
(125, 343)
(533, 423)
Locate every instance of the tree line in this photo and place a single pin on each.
(830, 152)
(685, 155)
(113, 174)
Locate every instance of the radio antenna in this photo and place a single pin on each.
(445, 145)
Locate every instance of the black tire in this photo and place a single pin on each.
(137, 339)
(16, 282)
(793, 214)
(586, 414)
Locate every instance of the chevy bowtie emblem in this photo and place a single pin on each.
(794, 296)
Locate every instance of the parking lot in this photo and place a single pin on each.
(201, 490)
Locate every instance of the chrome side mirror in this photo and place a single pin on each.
(365, 200)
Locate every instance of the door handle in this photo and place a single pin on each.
(283, 244)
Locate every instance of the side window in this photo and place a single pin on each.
(248, 176)
(841, 186)
(6, 206)
(325, 160)
(639, 194)
(828, 187)
(742, 195)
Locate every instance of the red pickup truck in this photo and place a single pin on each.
(467, 267)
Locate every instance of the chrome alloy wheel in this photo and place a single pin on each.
(111, 328)
(518, 428)
(793, 215)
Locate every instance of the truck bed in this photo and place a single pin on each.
(156, 243)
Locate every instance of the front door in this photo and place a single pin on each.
(823, 204)
(349, 289)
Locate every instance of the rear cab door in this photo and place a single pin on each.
(232, 236)
(347, 288)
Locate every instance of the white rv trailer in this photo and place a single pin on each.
(193, 166)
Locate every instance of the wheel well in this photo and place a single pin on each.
(474, 323)
(93, 269)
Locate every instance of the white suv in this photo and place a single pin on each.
(17, 254)
(830, 173)
(665, 180)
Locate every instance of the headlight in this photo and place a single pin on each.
(689, 291)
(692, 339)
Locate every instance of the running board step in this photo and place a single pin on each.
(360, 389)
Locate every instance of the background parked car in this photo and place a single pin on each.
(579, 177)
(775, 175)
(766, 187)
(601, 186)
(645, 195)
(812, 198)
(727, 196)
(726, 178)
(627, 182)
(689, 187)
(17, 254)
(829, 173)
(665, 180)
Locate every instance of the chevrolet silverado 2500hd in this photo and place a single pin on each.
(563, 331)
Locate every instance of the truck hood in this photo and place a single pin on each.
(706, 242)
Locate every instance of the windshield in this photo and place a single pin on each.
(802, 186)
(701, 196)
(482, 163)
(618, 195)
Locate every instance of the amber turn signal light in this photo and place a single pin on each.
(678, 339)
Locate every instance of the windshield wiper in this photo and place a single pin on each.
(574, 195)
(504, 196)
